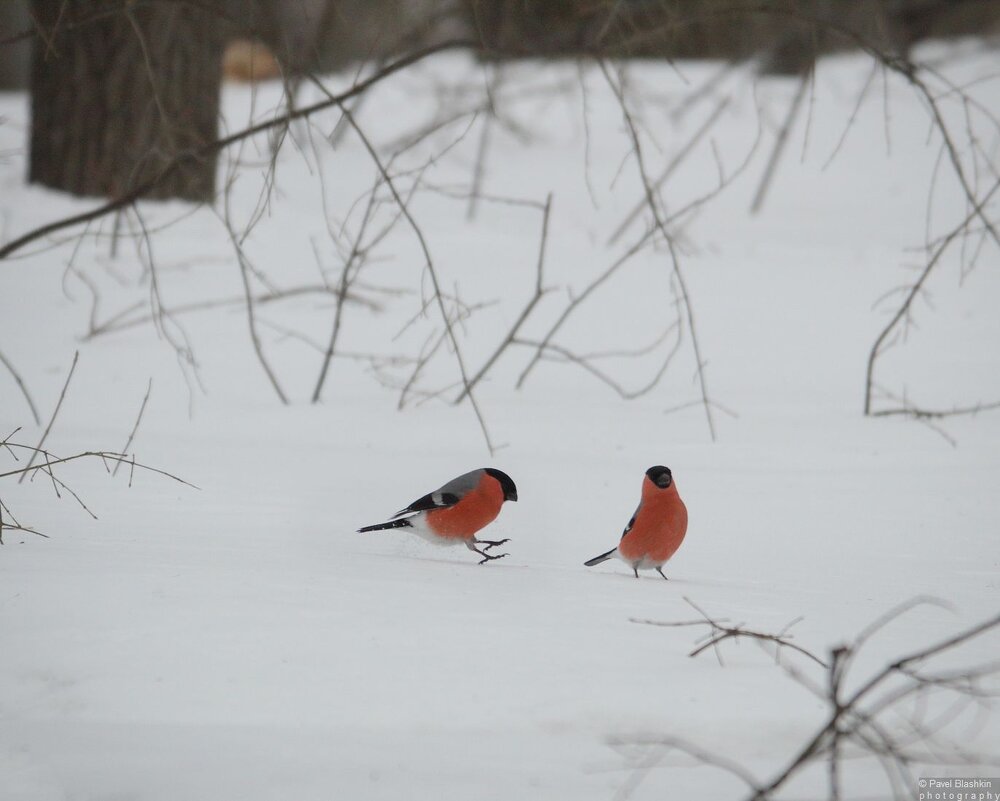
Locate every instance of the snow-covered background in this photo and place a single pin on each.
(241, 641)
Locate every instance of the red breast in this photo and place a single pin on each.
(478, 508)
(659, 527)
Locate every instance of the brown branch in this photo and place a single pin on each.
(904, 308)
(346, 278)
(721, 632)
(431, 271)
(48, 428)
(920, 413)
(211, 148)
(52, 461)
(21, 385)
(578, 299)
(57, 483)
(138, 419)
(251, 319)
(482, 151)
(163, 320)
(119, 322)
(586, 362)
(511, 337)
(841, 708)
(701, 755)
(697, 137)
(853, 116)
(854, 726)
(779, 143)
(661, 226)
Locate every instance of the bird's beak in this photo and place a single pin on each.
(512, 496)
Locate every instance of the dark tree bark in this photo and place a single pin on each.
(14, 56)
(120, 89)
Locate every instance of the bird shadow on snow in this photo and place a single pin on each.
(405, 557)
(563, 569)
(670, 582)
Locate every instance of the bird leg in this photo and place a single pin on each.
(636, 571)
(491, 543)
(471, 545)
(660, 571)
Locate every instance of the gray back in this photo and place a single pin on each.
(465, 482)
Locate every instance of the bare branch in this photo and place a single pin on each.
(21, 385)
(697, 137)
(432, 272)
(138, 419)
(525, 312)
(346, 277)
(779, 143)
(721, 632)
(52, 461)
(209, 149)
(904, 308)
(48, 428)
(661, 226)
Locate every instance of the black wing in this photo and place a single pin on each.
(631, 522)
(432, 500)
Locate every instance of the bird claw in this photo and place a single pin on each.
(488, 558)
(493, 543)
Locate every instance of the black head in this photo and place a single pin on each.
(509, 490)
(660, 476)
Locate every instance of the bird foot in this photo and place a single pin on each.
(492, 543)
(489, 558)
(661, 573)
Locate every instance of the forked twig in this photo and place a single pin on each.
(48, 428)
(21, 385)
(138, 419)
(511, 337)
(721, 632)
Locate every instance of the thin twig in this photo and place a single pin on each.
(48, 428)
(52, 461)
(661, 226)
(431, 271)
(721, 632)
(697, 137)
(211, 148)
(138, 419)
(245, 269)
(904, 308)
(779, 143)
(21, 385)
(525, 312)
(346, 277)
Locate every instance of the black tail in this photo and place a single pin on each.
(383, 526)
(602, 558)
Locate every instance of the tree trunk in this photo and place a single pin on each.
(120, 90)
(14, 56)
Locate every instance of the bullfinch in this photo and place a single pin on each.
(657, 528)
(455, 512)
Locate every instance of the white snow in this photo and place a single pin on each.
(242, 641)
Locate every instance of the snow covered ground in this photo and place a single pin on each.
(241, 641)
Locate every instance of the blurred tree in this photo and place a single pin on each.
(14, 55)
(119, 90)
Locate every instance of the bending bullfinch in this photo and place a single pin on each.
(455, 512)
(657, 528)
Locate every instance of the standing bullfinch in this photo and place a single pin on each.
(657, 528)
(455, 512)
